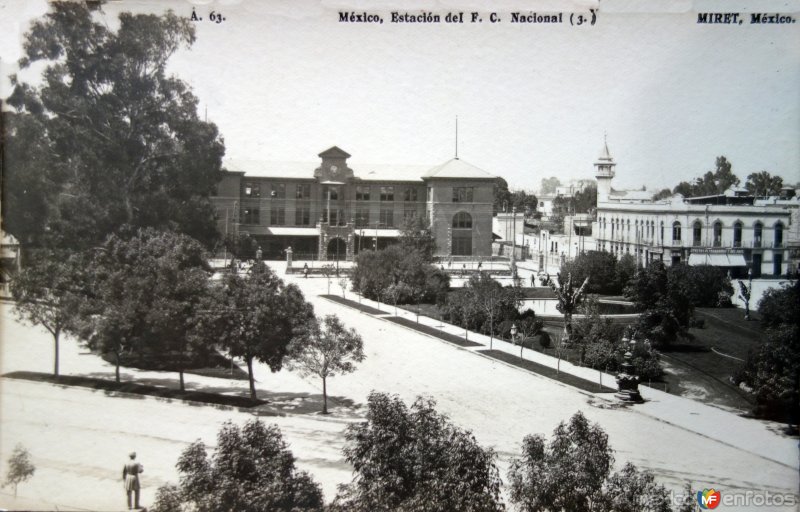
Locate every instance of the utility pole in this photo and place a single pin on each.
(513, 245)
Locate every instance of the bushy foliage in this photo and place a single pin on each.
(325, 349)
(413, 458)
(375, 271)
(483, 305)
(609, 276)
(664, 304)
(251, 470)
(573, 472)
(256, 317)
(603, 349)
(50, 292)
(711, 183)
(20, 467)
(702, 284)
(150, 290)
(772, 370)
(780, 305)
(110, 136)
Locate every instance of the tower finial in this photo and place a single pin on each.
(456, 137)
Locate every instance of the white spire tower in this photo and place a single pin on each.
(604, 172)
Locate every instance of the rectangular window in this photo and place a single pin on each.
(362, 193)
(387, 218)
(387, 193)
(336, 216)
(251, 215)
(302, 217)
(277, 216)
(303, 191)
(410, 194)
(251, 189)
(409, 213)
(430, 194)
(462, 194)
(362, 217)
(278, 191)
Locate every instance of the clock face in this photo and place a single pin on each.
(334, 168)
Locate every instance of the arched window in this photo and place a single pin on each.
(758, 231)
(462, 220)
(462, 235)
(662, 231)
(737, 234)
(676, 232)
(697, 233)
(717, 234)
(778, 240)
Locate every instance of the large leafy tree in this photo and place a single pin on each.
(416, 236)
(110, 137)
(663, 297)
(573, 473)
(150, 293)
(410, 459)
(711, 183)
(50, 292)
(251, 470)
(772, 370)
(326, 349)
(255, 318)
(763, 184)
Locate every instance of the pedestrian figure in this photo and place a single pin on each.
(480, 264)
(130, 474)
(533, 280)
(259, 253)
(305, 270)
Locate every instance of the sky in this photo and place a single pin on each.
(285, 80)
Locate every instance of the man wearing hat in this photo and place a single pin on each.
(130, 474)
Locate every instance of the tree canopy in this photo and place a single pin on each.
(325, 349)
(255, 317)
(149, 293)
(413, 458)
(763, 184)
(107, 137)
(711, 183)
(251, 470)
(573, 472)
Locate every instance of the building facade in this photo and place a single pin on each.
(732, 230)
(329, 210)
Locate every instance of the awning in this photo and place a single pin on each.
(717, 260)
(288, 231)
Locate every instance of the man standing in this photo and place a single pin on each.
(130, 474)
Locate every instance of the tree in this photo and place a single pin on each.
(744, 294)
(711, 183)
(150, 294)
(20, 467)
(502, 196)
(632, 490)
(256, 317)
(585, 200)
(416, 236)
(414, 458)
(573, 472)
(568, 300)
(376, 271)
(780, 305)
(494, 301)
(326, 349)
(241, 245)
(251, 470)
(49, 292)
(549, 185)
(662, 298)
(702, 283)
(763, 184)
(566, 474)
(662, 194)
(120, 140)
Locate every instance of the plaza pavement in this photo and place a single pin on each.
(79, 438)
